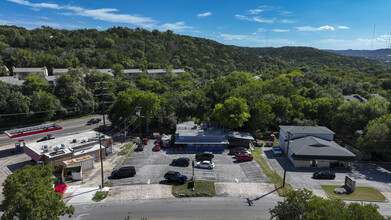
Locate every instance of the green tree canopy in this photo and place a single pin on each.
(29, 194)
(377, 136)
(34, 83)
(232, 113)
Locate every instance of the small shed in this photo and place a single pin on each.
(73, 169)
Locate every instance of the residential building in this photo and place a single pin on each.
(58, 72)
(200, 137)
(132, 73)
(177, 71)
(50, 79)
(352, 97)
(313, 146)
(156, 72)
(56, 151)
(24, 72)
(13, 80)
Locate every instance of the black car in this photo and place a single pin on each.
(323, 175)
(204, 156)
(183, 161)
(175, 176)
(233, 151)
(45, 138)
(140, 147)
(123, 172)
(93, 121)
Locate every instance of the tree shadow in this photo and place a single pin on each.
(20, 165)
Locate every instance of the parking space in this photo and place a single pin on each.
(151, 167)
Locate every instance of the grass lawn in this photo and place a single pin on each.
(271, 174)
(125, 149)
(201, 189)
(361, 193)
(100, 195)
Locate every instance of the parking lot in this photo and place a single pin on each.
(151, 167)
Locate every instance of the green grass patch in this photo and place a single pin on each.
(107, 184)
(125, 149)
(271, 174)
(100, 195)
(128, 147)
(201, 189)
(361, 193)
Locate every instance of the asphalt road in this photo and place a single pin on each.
(194, 208)
(74, 125)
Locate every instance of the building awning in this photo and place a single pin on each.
(31, 131)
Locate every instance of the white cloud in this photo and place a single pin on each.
(206, 14)
(34, 24)
(255, 11)
(263, 20)
(280, 30)
(261, 30)
(242, 17)
(343, 27)
(103, 14)
(45, 18)
(326, 27)
(288, 21)
(357, 44)
(309, 28)
(178, 26)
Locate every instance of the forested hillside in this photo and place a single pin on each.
(380, 55)
(251, 89)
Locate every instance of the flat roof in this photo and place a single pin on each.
(28, 69)
(86, 141)
(12, 80)
(240, 135)
(32, 131)
(133, 70)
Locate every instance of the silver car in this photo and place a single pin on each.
(205, 164)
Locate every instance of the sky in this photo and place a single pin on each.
(322, 24)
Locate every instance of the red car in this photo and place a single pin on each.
(244, 157)
(144, 141)
(157, 148)
(60, 188)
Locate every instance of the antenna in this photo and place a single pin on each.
(373, 35)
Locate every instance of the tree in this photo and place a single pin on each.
(232, 113)
(301, 204)
(29, 194)
(377, 136)
(34, 83)
(261, 116)
(118, 70)
(46, 103)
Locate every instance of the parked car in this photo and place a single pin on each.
(139, 147)
(236, 149)
(93, 121)
(49, 137)
(123, 172)
(204, 156)
(145, 140)
(61, 188)
(175, 176)
(183, 161)
(205, 164)
(277, 151)
(244, 157)
(157, 148)
(323, 175)
(242, 152)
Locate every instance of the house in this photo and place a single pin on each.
(313, 146)
(200, 137)
(50, 79)
(177, 71)
(132, 73)
(56, 151)
(24, 72)
(352, 97)
(13, 80)
(58, 72)
(156, 72)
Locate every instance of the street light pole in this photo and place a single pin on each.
(286, 158)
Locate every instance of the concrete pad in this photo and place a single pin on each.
(140, 192)
(246, 190)
(81, 195)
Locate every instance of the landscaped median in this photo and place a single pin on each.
(100, 195)
(360, 194)
(201, 189)
(271, 174)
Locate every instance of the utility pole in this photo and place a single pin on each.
(103, 105)
(138, 113)
(286, 158)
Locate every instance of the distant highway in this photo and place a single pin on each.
(69, 126)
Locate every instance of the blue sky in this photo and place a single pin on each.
(323, 24)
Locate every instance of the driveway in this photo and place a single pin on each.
(151, 167)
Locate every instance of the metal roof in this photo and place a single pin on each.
(60, 71)
(240, 135)
(128, 71)
(306, 129)
(12, 80)
(29, 69)
(156, 71)
(178, 71)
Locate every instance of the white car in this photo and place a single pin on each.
(205, 164)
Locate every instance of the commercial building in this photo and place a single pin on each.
(56, 151)
(313, 146)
